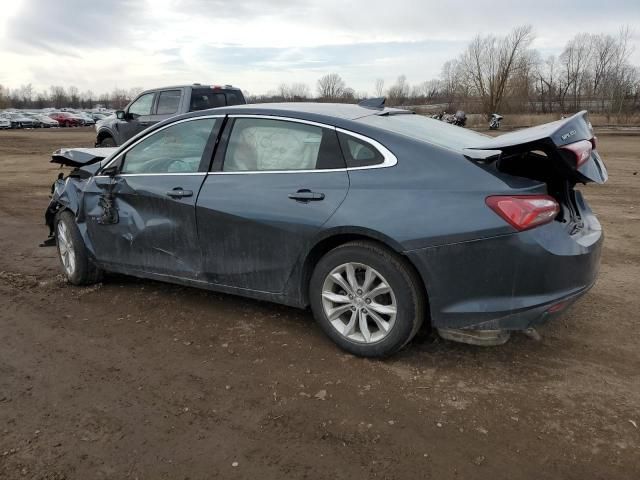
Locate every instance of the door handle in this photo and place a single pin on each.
(179, 192)
(305, 195)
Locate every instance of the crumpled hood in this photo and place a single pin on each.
(79, 157)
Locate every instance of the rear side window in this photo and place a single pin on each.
(168, 102)
(257, 144)
(358, 153)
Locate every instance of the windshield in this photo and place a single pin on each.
(426, 129)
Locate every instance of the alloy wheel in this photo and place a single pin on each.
(359, 303)
(65, 249)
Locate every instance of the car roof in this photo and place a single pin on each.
(192, 85)
(346, 111)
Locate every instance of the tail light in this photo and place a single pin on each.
(524, 211)
(581, 150)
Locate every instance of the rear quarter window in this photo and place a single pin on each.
(358, 153)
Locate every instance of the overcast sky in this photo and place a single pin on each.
(257, 45)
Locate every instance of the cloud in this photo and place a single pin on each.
(258, 45)
(63, 27)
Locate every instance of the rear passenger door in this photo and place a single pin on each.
(275, 182)
(168, 103)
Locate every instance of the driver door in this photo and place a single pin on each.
(152, 225)
(138, 116)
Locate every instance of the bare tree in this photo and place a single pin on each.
(348, 95)
(546, 83)
(57, 96)
(295, 92)
(490, 63)
(378, 87)
(331, 87)
(453, 82)
(574, 62)
(133, 92)
(105, 100)
(398, 93)
(26, 93)
(119, 98)
(87, 99)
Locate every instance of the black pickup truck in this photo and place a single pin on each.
(153, 106)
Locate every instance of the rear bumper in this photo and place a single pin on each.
(510, 282)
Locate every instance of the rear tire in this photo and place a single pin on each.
(74, 257)
(367, 299)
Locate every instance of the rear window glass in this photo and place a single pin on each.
(426, 129)
(168, 102)
(234, 98)
(204, 98)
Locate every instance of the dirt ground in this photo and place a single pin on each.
(138, 379)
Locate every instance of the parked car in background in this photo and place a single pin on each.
(377, 218)
(97, 115)
(20, 120)
(65, 119)
(153, 106)
(5, 123)
(86, 118)
(46, 121)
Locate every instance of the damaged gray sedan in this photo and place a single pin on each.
(376, 218)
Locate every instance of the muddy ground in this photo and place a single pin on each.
(138, 379)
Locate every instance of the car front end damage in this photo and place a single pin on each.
(67, 192)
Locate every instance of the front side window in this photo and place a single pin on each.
(168, 102)
(142, 106)
(175, 149)
(257, 144)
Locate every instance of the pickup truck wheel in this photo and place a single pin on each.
(74, 257)
(108, 142)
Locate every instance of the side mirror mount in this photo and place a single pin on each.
(111, 170)
(121, 115)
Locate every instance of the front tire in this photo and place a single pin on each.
(108, 142)
(367, 299)
(74, 257)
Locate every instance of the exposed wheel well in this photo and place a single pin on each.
(103, 134)
(328, 244)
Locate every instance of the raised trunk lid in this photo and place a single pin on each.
(549, 138)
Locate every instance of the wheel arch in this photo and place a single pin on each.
(104, 133)
(334, 238)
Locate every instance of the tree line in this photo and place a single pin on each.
(58, 97)
(493, 74)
